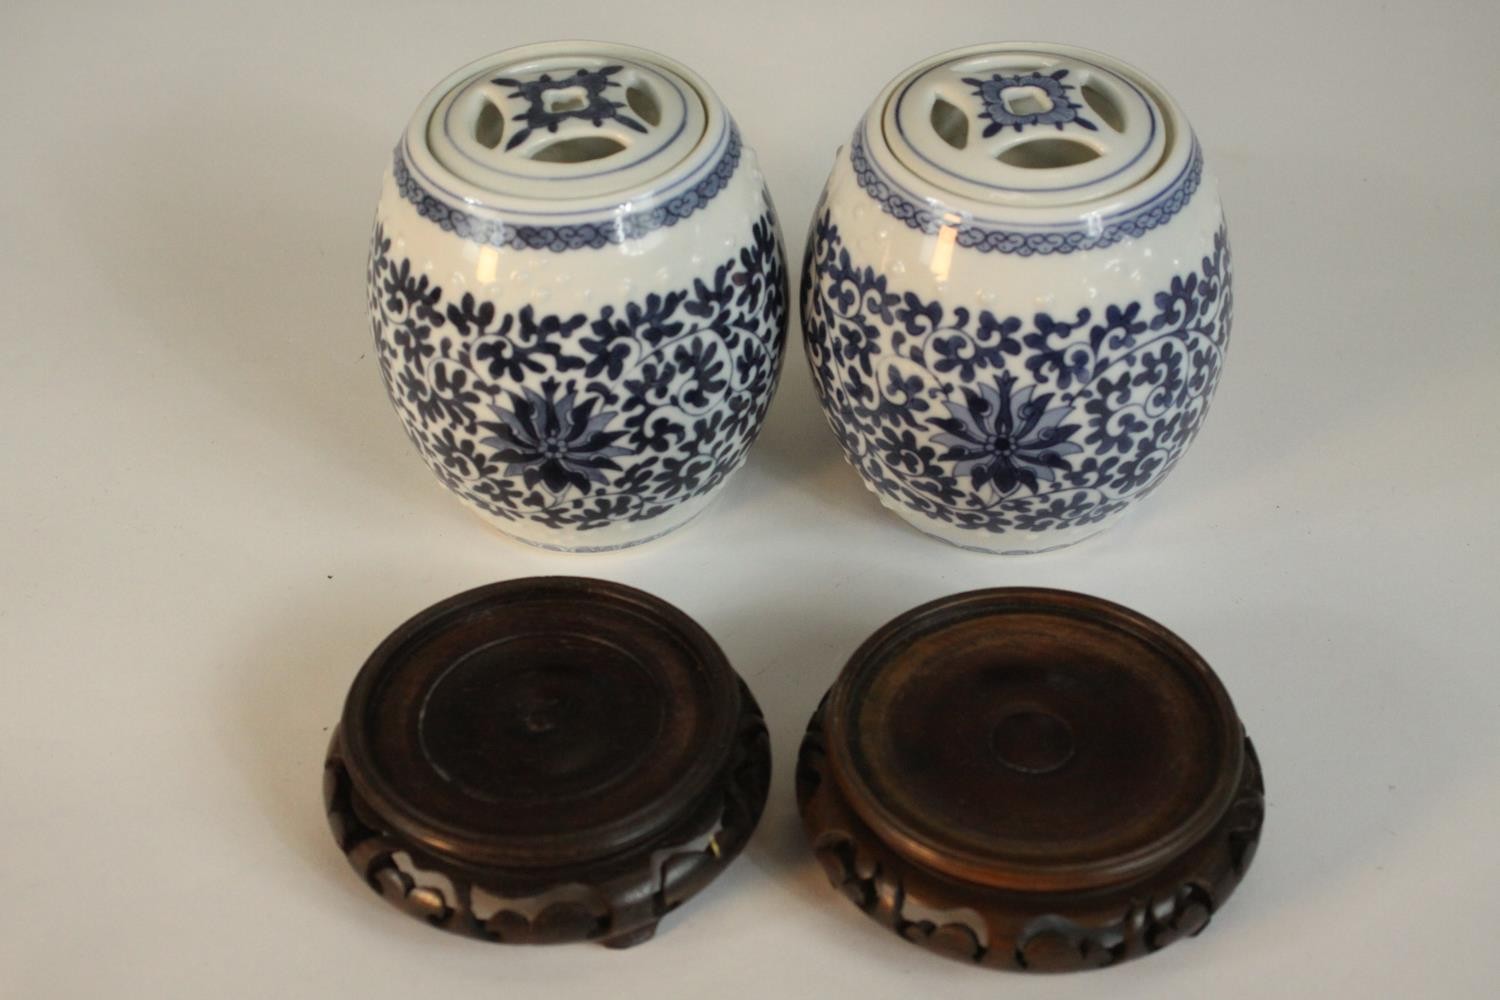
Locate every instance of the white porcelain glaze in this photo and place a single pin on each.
(1011, 351)
(577, 291)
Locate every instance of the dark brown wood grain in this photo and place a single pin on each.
(546, 760)
(1031, 779)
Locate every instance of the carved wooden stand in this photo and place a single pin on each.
(1031, 779)
(544, 761)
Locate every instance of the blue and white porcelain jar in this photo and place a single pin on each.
(1016, 295)
(578, 292)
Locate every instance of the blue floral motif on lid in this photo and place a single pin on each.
(597, 107)
(1060, 111)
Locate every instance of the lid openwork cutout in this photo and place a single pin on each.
(1026, 127)
(574, 124)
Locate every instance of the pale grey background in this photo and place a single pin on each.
(210, 515)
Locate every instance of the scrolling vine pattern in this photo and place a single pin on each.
(576, 420)
(996, 422)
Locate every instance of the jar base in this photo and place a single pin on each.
(611, 538)
(1007, 543)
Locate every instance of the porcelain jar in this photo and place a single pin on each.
(578, 292)
(1016, 295)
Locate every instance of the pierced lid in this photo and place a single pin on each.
(564, 120)
(1027, 125)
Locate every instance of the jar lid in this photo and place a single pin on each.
(546, 759)
(558, 122)
(1031, 779)
(1034, 130)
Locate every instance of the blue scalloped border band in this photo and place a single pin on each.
(569, 236)
(1132, 223)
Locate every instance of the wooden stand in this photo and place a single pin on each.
(1031, 779)
(546, 760)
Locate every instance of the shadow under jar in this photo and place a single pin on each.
(578, 292)
(1016, 295)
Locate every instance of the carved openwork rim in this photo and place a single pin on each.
(616, 902)
(1026, 932)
